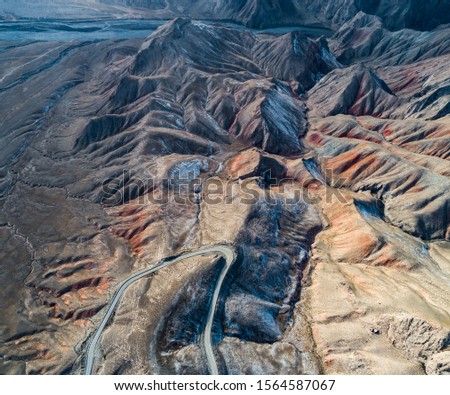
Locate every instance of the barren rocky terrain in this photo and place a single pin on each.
(322, 162)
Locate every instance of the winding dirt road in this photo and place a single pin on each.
(224, 251)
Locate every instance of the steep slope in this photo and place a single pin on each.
(294, 57)
(265, 13)
(355, 90)
(237, 101)
(330, 182)
(251, 13)
(413, 14)
(139, 150)
(427, 93)
(364, 39)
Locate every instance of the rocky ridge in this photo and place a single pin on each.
(328, 176)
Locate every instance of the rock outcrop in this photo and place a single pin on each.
(322, 162)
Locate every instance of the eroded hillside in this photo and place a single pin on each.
(324, 163)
